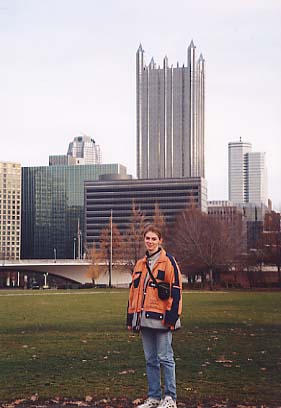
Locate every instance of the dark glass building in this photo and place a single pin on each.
(171, 195)
(53, 209)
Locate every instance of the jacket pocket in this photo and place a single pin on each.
(160, 275)
(136, 279)
(154, 315)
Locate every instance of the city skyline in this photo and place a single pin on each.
(68, 69)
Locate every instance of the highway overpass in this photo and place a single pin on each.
(73, 269)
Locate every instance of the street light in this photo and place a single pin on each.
(3, 255)
(80, 245)
(55, 254)
(110, 262)
(74, 248)
(45, 279)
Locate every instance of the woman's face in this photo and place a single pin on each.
(152, 242)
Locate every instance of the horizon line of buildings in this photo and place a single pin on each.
(60, 209)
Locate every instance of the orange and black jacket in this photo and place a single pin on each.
(146, 299)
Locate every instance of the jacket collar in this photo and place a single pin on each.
(149, 256)
(160, 259)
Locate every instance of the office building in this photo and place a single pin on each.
(58, 160)
(247, 175)
(257, 178)
(10, 210)
(170, 113)
(232, 216)
(53, 209)
(245, 219)
(171, 196)
(255, 215)
(226, 211)
(83, 150)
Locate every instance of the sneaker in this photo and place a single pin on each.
(168, 402)
(150, 403)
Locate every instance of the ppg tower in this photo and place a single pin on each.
(170, 117)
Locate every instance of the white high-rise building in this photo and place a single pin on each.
(247, 175)
(170, 103)
(83, 150)
(237, 175)
(257, 178)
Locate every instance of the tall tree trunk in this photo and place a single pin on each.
(211, 278)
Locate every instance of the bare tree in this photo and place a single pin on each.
(97, 267)
(204, 243)
(270, 248)
(133, 238)
(159, 218)
(275, 254)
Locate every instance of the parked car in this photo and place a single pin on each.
(35, 285)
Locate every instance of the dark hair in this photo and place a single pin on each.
(154, 229)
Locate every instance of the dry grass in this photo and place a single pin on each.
(73, 344)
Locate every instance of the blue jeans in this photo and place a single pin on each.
(158, 352)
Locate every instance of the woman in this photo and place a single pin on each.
(156, 318)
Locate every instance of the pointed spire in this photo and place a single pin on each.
(191, 55)
(192, 44)
(201, 58)
(152, 63)
(165, 62)
(140, 49)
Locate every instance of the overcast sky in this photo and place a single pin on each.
(68, 68)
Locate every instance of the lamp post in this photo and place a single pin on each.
(45, 279)
(80, 245)
(110, 260)
(3, 256)
(74, 248)
(278, 256)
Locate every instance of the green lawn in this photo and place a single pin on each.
(74, 343)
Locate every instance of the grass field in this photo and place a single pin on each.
(74, 343)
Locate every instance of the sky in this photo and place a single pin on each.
(68, 68)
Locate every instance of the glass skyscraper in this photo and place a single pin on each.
(53, 209)
(170, 108)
